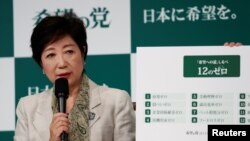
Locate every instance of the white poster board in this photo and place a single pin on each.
(180, 90)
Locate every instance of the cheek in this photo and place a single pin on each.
(46, 67)
(78, 66)
(49, 71)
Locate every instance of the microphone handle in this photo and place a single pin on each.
(64, 136)
(62, 109)
(62, 105)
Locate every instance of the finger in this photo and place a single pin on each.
(226, 44)
(57, 128)
(238, 44)
(59, 132)
(59, 121)
(62, 123)
(62, 127)
(59, 116)
(231, 44)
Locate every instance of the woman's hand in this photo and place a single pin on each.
(232, 44)
(60, 123)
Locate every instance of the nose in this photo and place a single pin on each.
(61, 62)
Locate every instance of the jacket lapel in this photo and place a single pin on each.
(43, 116)
(94, 103)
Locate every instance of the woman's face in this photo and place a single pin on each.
(63, 58)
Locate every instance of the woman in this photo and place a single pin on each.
(93, 113)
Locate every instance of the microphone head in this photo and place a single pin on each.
(61, 88)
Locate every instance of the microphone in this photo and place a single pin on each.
(62, 92)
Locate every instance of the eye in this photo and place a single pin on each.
(50, 55)
(69, 52)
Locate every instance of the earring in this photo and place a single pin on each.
(43, 72)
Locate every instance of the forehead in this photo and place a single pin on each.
(64, 42)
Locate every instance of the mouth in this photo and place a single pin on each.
(63, 75)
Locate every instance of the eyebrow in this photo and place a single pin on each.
(68, 45)
(52, 48)
(48, 49)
